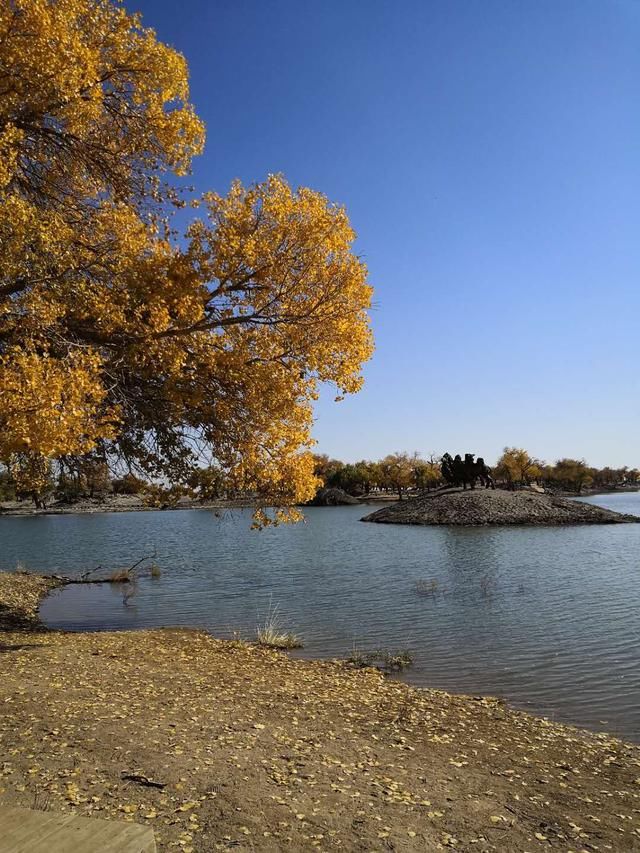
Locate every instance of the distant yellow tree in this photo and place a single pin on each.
(116, 341)
(397, 470)
(573, 474)
(517, 466)
(426, 472)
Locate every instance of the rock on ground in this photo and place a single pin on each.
(495, 506)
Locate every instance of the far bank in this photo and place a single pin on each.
(136, 503)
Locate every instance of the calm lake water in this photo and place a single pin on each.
(548, 618)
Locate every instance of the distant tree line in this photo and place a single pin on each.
(403, 472)
(81, 479)
(397, 473)
(516, 467)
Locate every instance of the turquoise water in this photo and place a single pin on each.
(548, 618)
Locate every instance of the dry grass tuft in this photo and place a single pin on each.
(120, 576)
(271, 633)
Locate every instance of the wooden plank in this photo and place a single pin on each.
(28, 831)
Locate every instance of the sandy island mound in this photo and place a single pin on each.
(487, 506)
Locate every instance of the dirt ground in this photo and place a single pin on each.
(221, 745)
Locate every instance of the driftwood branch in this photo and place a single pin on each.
(126, 575)
(139, 779)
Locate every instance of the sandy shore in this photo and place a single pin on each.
(222, 745)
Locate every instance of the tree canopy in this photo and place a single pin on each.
(517, 466)
(117, 339)
(401, 472)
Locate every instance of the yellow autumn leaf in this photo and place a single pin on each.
(185, 807)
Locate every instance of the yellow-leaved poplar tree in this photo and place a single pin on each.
(118, 342)
(517, 466)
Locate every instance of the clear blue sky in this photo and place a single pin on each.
(488, 154)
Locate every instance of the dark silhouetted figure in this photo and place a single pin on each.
(446, 468)
(483, 473)
(469, 468)
(466, 473)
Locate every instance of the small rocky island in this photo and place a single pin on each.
(462, 507)
(333, 497)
